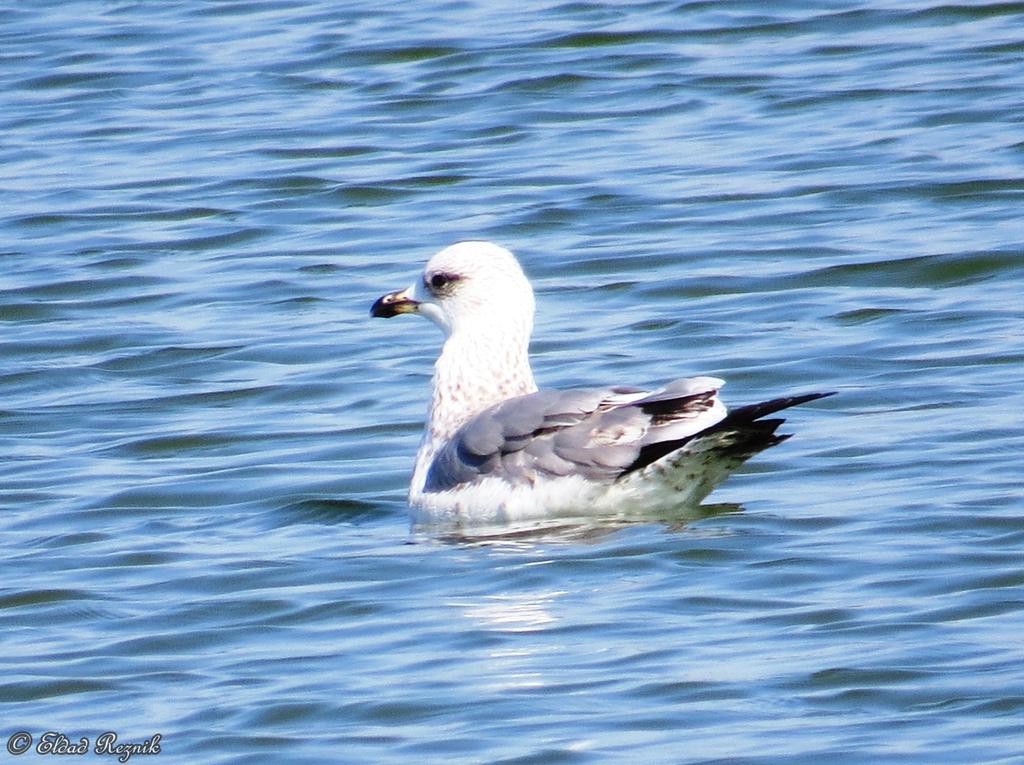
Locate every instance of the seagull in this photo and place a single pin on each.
(497, 450)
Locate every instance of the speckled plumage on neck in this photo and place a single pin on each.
(477, 369)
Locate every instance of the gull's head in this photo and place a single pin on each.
(469, 286)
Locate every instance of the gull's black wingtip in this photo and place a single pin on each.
(756, 411)
(748, 433)
(815, 396)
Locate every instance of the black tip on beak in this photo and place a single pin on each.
(393, 304)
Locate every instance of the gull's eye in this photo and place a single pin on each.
(439, 281)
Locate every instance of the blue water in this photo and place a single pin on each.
(206, 441)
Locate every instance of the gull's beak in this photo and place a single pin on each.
(394, 303)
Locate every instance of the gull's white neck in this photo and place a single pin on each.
(475, 371)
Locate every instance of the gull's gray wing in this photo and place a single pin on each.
(597, 433)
